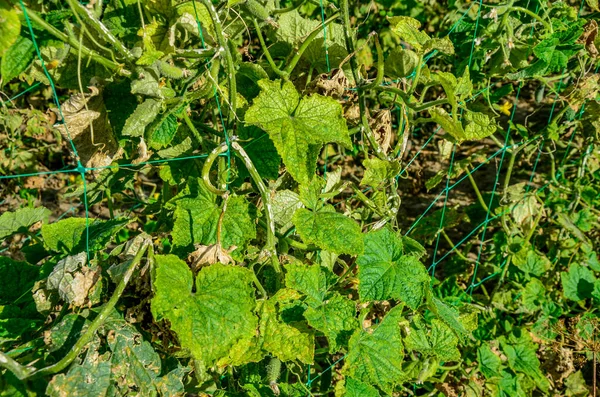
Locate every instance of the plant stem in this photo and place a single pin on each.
(98, 321)
(266, 198)
(380, 65)
(316, 31)
(261, 39)
(358, 81)
(99, 27)
(532, 14)
(231, 84)
(447, 238)
(63, 37)
(415, 79)
(477, 191)
(192, 128)
(20, 371)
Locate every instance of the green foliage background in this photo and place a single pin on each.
(237, 198)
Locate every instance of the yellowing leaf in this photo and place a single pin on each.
(210, 319)
(376, 358)
(297, 126)
(385, 273)
(329, 230)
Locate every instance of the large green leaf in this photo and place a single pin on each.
(489, 363)
(355, 388)
(64, 235)
(522, 357)
(16, 59)
(297, 126)
(329, 230)
(10, 26)
(196, 221)
(285, 341)
(309, 280)
(21, 220)
(143, 115)
(385, 273)
(439, 341)
(378, 171)
(336, 318)
(19, 278)
(578, 282)
(376, 357)
(210, 319)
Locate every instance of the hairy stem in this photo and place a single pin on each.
(309, 39)
(102, 30)
(231, 84)
(261, 39)
(29, 14)
(20, 371)
(266, 198)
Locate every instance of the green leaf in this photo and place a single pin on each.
(439, 341)
(336, 318)
(16, 59)
(356, 388)
(575, 383)
(329, 230)
(522, 357)
(196, 222)
(285, 203)
(449, 316)
(297, 126)
(534, 295)
(261, 151)
(379, 171)
(530, 262)
(22, 275)
(489, 363)
(385, 273)
(555, 50)
(400, 63)
(376, 357)
(211, 319)
(477, 125)
(578, 282)
(284, 341)
(10, 26)
(310, 193)
(21, 220)
(143, 115)
(164, 132)
(443, 45)
(64, 235)
(408, 30)
(309, 280)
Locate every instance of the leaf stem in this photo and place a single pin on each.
(380, 65)
(224, 47)
(415, 79)
(99, 27)
(63, 37)
(316, 31)
(261, 39)
(532, 14)
(362, 104)
(20, 371)
(266, 198)
(477, 191)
